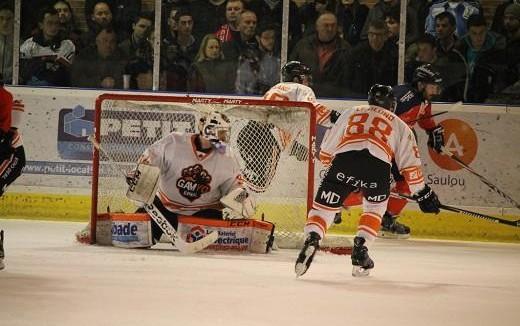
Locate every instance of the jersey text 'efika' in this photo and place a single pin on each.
(191, 180)
(382, 133)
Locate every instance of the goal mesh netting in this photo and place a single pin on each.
(271, 139)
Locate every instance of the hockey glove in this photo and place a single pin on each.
(6, 147)
(427, 200)
(239, 203)
(436, 138)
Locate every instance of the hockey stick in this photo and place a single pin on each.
(480, 215)
(470, 213)
(482, 178)
(158, 217)
(427, 117)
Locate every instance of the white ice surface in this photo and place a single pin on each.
(51, 280)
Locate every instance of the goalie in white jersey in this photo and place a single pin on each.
(198, 174)
(359, 150)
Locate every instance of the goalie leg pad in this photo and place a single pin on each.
(131, 230)
(235, 235)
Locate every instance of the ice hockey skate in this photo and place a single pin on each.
(311, 245)
(361, 262)
(2, 254)
(392, 229)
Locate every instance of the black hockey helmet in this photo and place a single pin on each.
(295, 69)
(427, 74)
(383, 96)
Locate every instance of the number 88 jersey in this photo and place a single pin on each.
(382, 133)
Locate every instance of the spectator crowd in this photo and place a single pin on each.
(234, 46)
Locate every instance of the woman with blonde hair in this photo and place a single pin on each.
(210, 73)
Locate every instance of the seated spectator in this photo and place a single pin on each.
(229, 31)
(100, 17)
(137, 47)
(445, 27)
(392, 18)
(101, 65)
(372, 62)
(6, 42)
(460, 9)
(270, 11)
(451, 67)
(141, 76)
(68, 28)
(482, 51)
(351, 17)
(246, 42)
(310, 11)
(512, 27)
(377, 12)
(208, 15)
(421, 7)
(497, 25)
(259, 70)
(45, 57)
(181, 46)
(269, 45)
(124, 13)
(326, 54)
(210, 73)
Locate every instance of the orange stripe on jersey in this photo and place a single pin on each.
(370, 222)
(318, 221)
(319, 206)
(372, 139)
(322, 113)
(276, 97)
(412, 175)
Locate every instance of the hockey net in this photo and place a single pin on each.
(271, 140)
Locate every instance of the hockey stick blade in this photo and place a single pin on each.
(173, 235)
(158, 217)
(481, 216)
(482, 178)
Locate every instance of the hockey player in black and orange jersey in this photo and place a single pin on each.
(359, 150)
(413, 107)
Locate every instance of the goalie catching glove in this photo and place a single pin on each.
(427, 200)
(436, 138)
(239, 204)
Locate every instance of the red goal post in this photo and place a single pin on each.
(272, 141)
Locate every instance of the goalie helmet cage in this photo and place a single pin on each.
(271, 139)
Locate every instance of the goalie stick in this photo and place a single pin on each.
(482, 178)
(469, 213)
(158, 217)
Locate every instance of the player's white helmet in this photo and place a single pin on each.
(215, 127)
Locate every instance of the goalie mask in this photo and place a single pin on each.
(215, 127)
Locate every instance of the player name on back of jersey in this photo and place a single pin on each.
(390, 116)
